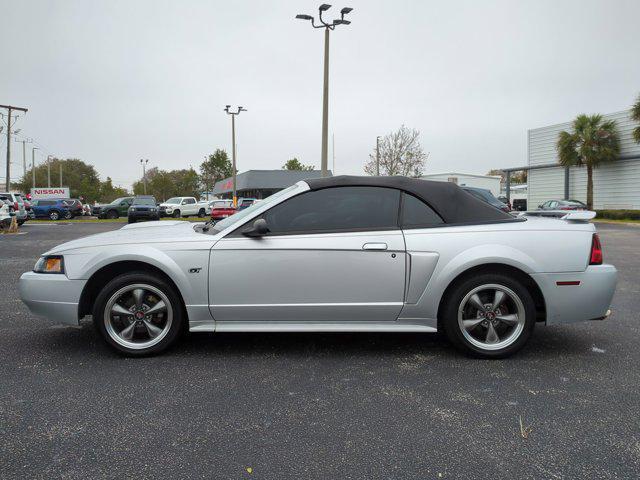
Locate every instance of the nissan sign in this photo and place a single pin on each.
(53, 192)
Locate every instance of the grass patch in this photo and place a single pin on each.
(611, 220)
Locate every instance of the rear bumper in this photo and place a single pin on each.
(588, 300)
(52, 296)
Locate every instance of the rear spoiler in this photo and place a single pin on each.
(582, 216)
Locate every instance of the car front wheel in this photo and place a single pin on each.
(112, 214)
(54, 215)
(176, 214)
(489, 316)
(138, 314)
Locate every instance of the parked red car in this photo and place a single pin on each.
(221, 209)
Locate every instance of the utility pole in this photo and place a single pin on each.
(325, 88)
(48, 171)
(33, 166)
(233, 147)
(377, 156)
(60, 164)
(144, 173)
(24, 154)
(10, 109)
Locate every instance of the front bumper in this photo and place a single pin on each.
(589, 300)
(140, 215)
(52, 296)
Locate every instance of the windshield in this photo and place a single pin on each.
(174, 200)
(118, 200)
(144, 201)
(222, 224)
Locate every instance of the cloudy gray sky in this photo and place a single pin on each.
(112, 81)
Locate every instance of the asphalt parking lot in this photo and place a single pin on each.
(395, 406)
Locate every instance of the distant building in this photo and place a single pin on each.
(615, 184)
(489, 182)
(262, 183)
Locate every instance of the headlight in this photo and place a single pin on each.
(153, 209)
(50, 264)
(131, 209)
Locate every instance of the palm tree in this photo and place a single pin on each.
(592, 142)
(635, 115)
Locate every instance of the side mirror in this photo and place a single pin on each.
(259, 229)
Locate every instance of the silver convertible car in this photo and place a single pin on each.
(341, 254)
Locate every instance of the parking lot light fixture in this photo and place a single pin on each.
(325, 89)
(144, 163)
(233, 114)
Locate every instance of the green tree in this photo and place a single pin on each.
(108, 192)
(216, 167)
(294, 164)
(591, 143)
(164, 184)
(635, 115)
(81, 178)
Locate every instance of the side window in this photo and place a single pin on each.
(417, 214)
(334, 210)
(553, 204)
(191, 201)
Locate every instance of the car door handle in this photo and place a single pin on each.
(374, 246)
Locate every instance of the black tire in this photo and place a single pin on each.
(131, 220)
(455, 305)
(21, 222)
(176, 214)
(54, 215)
(68, 215)
(133, 278)
(112, 214)
(201, 213)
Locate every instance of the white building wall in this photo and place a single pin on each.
(615, 185)
(488, 182)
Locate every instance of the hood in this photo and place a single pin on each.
(136, 233)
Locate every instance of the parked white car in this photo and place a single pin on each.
(6, 213)
(337, 254)
(184, 207)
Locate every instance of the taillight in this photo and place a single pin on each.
(596, 251)
(15, 206)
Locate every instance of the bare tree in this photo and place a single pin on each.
(400, 154)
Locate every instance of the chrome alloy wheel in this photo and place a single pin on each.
(138, 316)
(491, 317)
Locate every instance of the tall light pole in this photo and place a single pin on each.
(325, 89)
(377, 156)
(24, 154)
(233, 146)
(48, 171)
(144, 173)
(33, 166)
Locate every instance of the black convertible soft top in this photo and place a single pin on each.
(452, 203)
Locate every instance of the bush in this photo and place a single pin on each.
(619, 214)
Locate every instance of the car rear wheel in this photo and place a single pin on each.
(54, 215)
(176, 214)
(112, 214)
(202, 213)
(138, 314)
(68, 216)
(489, 316)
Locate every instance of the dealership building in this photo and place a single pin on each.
(262, 183)
(616, 185)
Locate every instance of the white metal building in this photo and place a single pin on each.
(615, 185)
(489, 182)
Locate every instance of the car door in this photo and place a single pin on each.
(332, 255)
(189, 206)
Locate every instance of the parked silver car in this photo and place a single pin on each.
(333, 255)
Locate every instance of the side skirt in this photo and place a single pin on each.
(270, 326)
